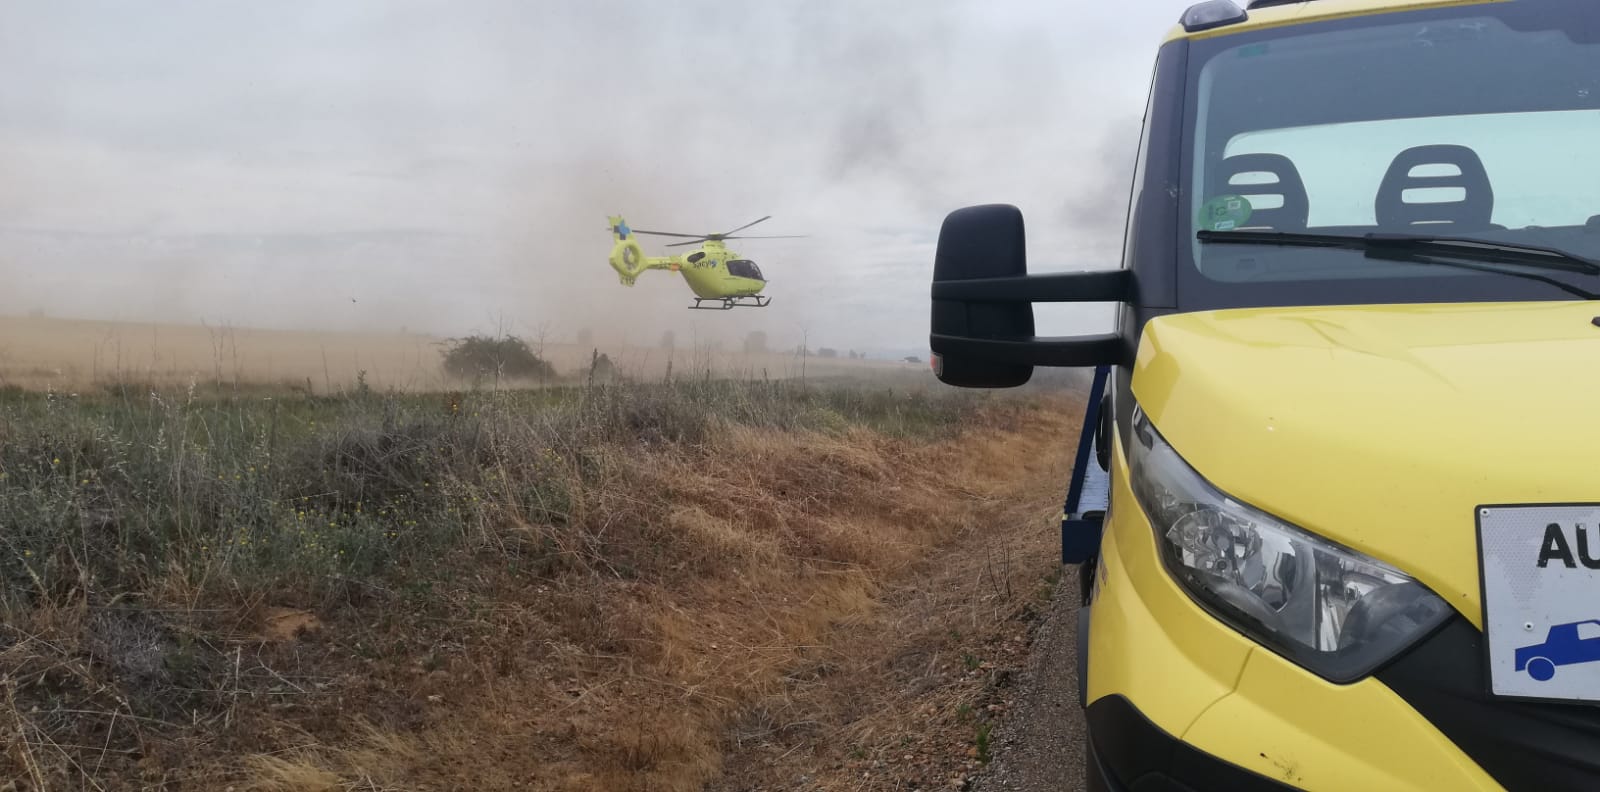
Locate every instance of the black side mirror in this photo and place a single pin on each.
(975, 243)
(982, 329)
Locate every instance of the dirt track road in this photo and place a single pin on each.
(1040, 747)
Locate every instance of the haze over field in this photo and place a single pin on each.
(442, 167)
(269, 521)
(70, 354)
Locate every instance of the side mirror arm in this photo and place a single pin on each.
(1055, 287)
(1101, 286)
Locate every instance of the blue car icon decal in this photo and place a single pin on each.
(1562, 646)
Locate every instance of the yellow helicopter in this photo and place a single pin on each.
(718, 277)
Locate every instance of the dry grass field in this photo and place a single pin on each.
(626, 586)
(67, 354)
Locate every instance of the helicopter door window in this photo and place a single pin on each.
(694, 258)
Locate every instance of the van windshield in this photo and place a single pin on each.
(1479, 121)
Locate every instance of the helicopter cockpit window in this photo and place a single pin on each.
(744, 268)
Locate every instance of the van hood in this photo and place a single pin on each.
(1384, 427)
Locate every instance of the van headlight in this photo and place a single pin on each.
(1335, 611)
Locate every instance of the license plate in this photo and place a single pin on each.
(1541, 600)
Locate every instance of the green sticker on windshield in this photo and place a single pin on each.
(1224, 213)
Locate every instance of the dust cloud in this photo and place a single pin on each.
(427, 168)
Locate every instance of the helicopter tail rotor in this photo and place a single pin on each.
(627, 257)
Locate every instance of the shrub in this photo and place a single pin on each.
(479, 357)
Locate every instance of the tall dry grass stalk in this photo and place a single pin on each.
(603, 576)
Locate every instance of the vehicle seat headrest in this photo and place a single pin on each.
(1285, 184)
(1473, 209)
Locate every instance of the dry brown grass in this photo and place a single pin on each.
(906, 690)
(647, 685)
(687, 604)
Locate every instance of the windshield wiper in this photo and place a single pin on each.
(1430, 249)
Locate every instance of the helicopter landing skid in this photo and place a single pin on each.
(726, 303)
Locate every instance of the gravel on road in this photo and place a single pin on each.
(1039, 747)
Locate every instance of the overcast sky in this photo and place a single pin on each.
(446, 166)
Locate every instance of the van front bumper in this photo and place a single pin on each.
(1522, 745)
(1127, 752)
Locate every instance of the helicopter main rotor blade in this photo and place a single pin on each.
(668, 233)
(725, 235)
(681, 244)
(779, 236)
